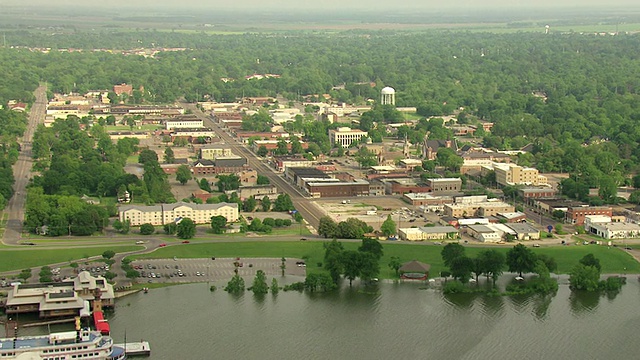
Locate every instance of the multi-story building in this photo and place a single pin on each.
(511, 174)
(213, 151)
(537, 193)
(576, 215)
(170, 213)
(64, 298)
(426, 199)
(445, 185)
(221, 165)
(487, 208)
(344, 136)
(258, 192)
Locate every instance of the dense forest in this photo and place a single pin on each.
(573, 97)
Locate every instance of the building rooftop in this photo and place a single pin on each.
(438, 229)
(522, 228)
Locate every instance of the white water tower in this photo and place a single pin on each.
(388, 96)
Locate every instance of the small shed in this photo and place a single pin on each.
(414, 270)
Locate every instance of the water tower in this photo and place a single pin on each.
(388, 96)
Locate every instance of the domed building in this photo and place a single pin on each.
(388, 96)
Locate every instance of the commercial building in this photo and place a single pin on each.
(429, 233)
(337, 188)
(221, 165)
(281, 163)
(184, 123)
(404, 185)
(483, 209)
(537, 193)
(66, 298)
(603, 226)
(511, 174)
(344, 136)
(213, 151)
(576, 215)
(426, 199)
(524, 231)
(258, 192)
(445, 185)
(170, 213)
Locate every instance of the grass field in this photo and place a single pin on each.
(22, 259)
(613, 260)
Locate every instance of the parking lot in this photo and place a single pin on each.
(208, 269)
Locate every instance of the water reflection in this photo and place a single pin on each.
(541, 304)
(460, 301)
(583, 302)
(492, 305)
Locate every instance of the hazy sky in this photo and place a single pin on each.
(335, 5)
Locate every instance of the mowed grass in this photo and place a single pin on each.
(11, 260)
(613, 260)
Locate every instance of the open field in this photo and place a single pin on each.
(35, 258)
(613, 260)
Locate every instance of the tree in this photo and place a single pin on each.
(584, 277)
(388, 227)
(373, 247)
(186, 229)
(365, 157)
(283, 203)
(169, 156)
(147, 229)
(262, 151)
(249, 204)
(369, 266)
(147, 156)
(170, 228)
(548, 261)
(608, 189)
(332, 259)
(235, 285)
(350, 264)
(183, 174)
(109, 254)
(395, 264)
(265, 203)
(122, 226)
(493, 263)
(218, 224)
(590, 260)
(281, 147)
(450, 252)
(228, 182)
(275, 288)
(461, 268)
(260, 286)
(521, 259)
(263, 180)
(204, 185)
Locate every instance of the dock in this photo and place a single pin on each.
(140, 348)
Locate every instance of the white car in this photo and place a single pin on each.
(139, 242)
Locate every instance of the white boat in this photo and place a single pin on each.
(80, 344)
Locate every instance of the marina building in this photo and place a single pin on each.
(66, 298)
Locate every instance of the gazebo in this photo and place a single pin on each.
(414, 270)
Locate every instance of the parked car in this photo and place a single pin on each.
(185, 241)
(139, 242)
(162, 245)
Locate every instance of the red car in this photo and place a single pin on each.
(162, 245)
(185, 242)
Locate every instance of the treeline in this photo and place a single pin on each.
(12, 125)
(573, 97)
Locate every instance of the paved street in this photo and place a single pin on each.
(22, 171)
(307, 209)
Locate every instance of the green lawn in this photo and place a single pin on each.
(613, 260)
(21, 259)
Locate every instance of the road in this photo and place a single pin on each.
(310, 212)
(22, 170)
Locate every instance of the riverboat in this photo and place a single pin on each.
(79, 344)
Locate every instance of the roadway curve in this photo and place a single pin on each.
(309, 211)
(22, 170)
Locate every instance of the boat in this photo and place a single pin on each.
(79, 344)
(146, 290)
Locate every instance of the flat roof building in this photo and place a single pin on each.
(171, 213)
(344, 136)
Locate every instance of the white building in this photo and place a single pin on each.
(428, 233)
(183, 124)
(604, 227)
(345, 136)
(169, 213)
